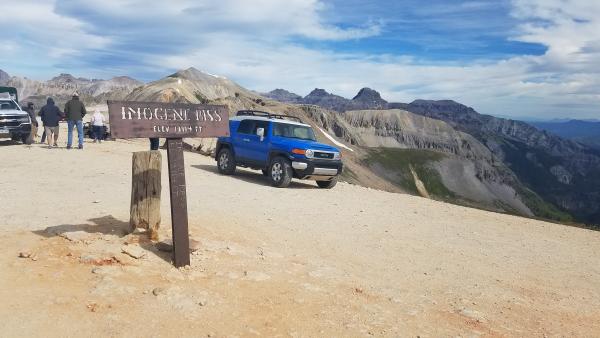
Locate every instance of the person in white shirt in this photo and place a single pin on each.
(98, 125)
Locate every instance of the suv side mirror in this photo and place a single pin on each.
(261, 133)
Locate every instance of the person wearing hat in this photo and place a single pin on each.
(75, 111)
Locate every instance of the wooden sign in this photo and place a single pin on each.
(130, 119)
(172, 121)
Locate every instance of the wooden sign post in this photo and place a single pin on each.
(172, 121)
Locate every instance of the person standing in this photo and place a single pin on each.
(75, 111)
(34, 123)
(98, 126)
(50, 116)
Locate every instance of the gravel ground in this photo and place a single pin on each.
(300, 262)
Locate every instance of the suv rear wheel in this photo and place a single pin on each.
(280, 172)
(226, 162)
(327, 184)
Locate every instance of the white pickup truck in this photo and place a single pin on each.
(14, 122)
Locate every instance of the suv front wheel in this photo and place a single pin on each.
(327, 184)
(280, 172)
(226, 162)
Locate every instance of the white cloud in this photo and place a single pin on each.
(566, 75)
(38, 36)
(260, 44)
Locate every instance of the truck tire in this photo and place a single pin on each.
(327, 184)
(280, 172)
(226, 161)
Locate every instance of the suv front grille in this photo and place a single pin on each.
(323, 155)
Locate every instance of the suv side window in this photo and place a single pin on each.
(250, 126)
(261, 124)
(246, 126)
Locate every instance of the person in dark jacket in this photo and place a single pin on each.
(34, 123)
(75, 111)
(50, 116)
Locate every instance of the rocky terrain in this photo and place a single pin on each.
(352, 262)
(466, 172)
(190, 85)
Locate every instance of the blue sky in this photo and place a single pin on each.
(537, 58)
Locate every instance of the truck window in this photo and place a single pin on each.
(8, 105)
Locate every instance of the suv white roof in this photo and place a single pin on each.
(261, 118)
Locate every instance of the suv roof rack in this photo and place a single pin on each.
(267, 115)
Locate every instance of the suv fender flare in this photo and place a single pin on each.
(276, 153)
(221, 145)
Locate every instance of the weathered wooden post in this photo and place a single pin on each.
(145, 191)
(172, 121)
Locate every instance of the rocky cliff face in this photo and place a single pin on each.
(401, 129)
(470, 171)
(561, 171)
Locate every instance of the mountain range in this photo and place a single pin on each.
(62, 87)
(583, 131)
(437, 149)
(366, 98)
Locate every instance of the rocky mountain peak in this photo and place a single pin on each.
(193, 74)
(64, 78)
(317, 92)
(283, 95)
(370, 98)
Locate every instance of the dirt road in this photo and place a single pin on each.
(298, 262)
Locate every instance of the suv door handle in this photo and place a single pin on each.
(246, 140)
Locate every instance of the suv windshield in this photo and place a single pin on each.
(293, 131)
(8, 105)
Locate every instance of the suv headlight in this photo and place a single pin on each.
(337, 156)
(309, 153)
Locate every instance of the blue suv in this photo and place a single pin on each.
(281, 146)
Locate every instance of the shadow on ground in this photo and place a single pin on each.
(4, 143)
(106, 225)
(251, 177)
